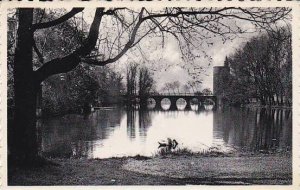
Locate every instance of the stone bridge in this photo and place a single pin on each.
(173, 98)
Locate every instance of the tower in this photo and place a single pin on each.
(220, 78)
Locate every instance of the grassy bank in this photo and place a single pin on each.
(160, 170)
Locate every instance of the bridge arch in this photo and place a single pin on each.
(209, 104)
(165, 103)
(151, 103)
(195, 104)
(181, 103)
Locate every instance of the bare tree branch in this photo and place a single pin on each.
(126, 47)
(183, 23)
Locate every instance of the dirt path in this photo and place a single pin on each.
(177, 170)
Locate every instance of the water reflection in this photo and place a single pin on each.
(195, 107)
(120, 132)
(263, 130)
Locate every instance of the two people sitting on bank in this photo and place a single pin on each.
(170, 144)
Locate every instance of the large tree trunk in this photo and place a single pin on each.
(24, 147)
(23, 144)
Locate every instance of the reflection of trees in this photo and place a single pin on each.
(72, 135)
(131, 117)
(272, 129)
(254, 130)
(145, 121)
(82, 149)
(171, 113)
(107, 119)
(142, 117)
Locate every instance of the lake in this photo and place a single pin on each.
(119, 132)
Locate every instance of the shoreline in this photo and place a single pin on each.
(268, 169)
(267, 106)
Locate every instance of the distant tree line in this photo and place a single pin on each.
(194, 87)
(261, 70)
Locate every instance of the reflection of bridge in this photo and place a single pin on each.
(190, 99)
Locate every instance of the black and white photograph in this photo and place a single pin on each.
(173, 96)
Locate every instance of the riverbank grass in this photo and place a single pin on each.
(168, 170)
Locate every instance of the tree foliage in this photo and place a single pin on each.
(146, 82)
(139, 81)
(262, 69)
(86, 85)
(131, 79)
(65, 92)
(177, 87)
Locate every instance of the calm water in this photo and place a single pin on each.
(117, 132)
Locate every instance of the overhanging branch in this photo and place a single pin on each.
(69, 62)
(127, 46)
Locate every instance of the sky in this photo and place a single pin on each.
(169, 56)
(218, 52)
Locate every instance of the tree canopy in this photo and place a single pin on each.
(261, 69)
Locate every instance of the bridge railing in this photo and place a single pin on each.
(179, 94)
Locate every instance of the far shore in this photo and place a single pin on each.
(194, 169)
